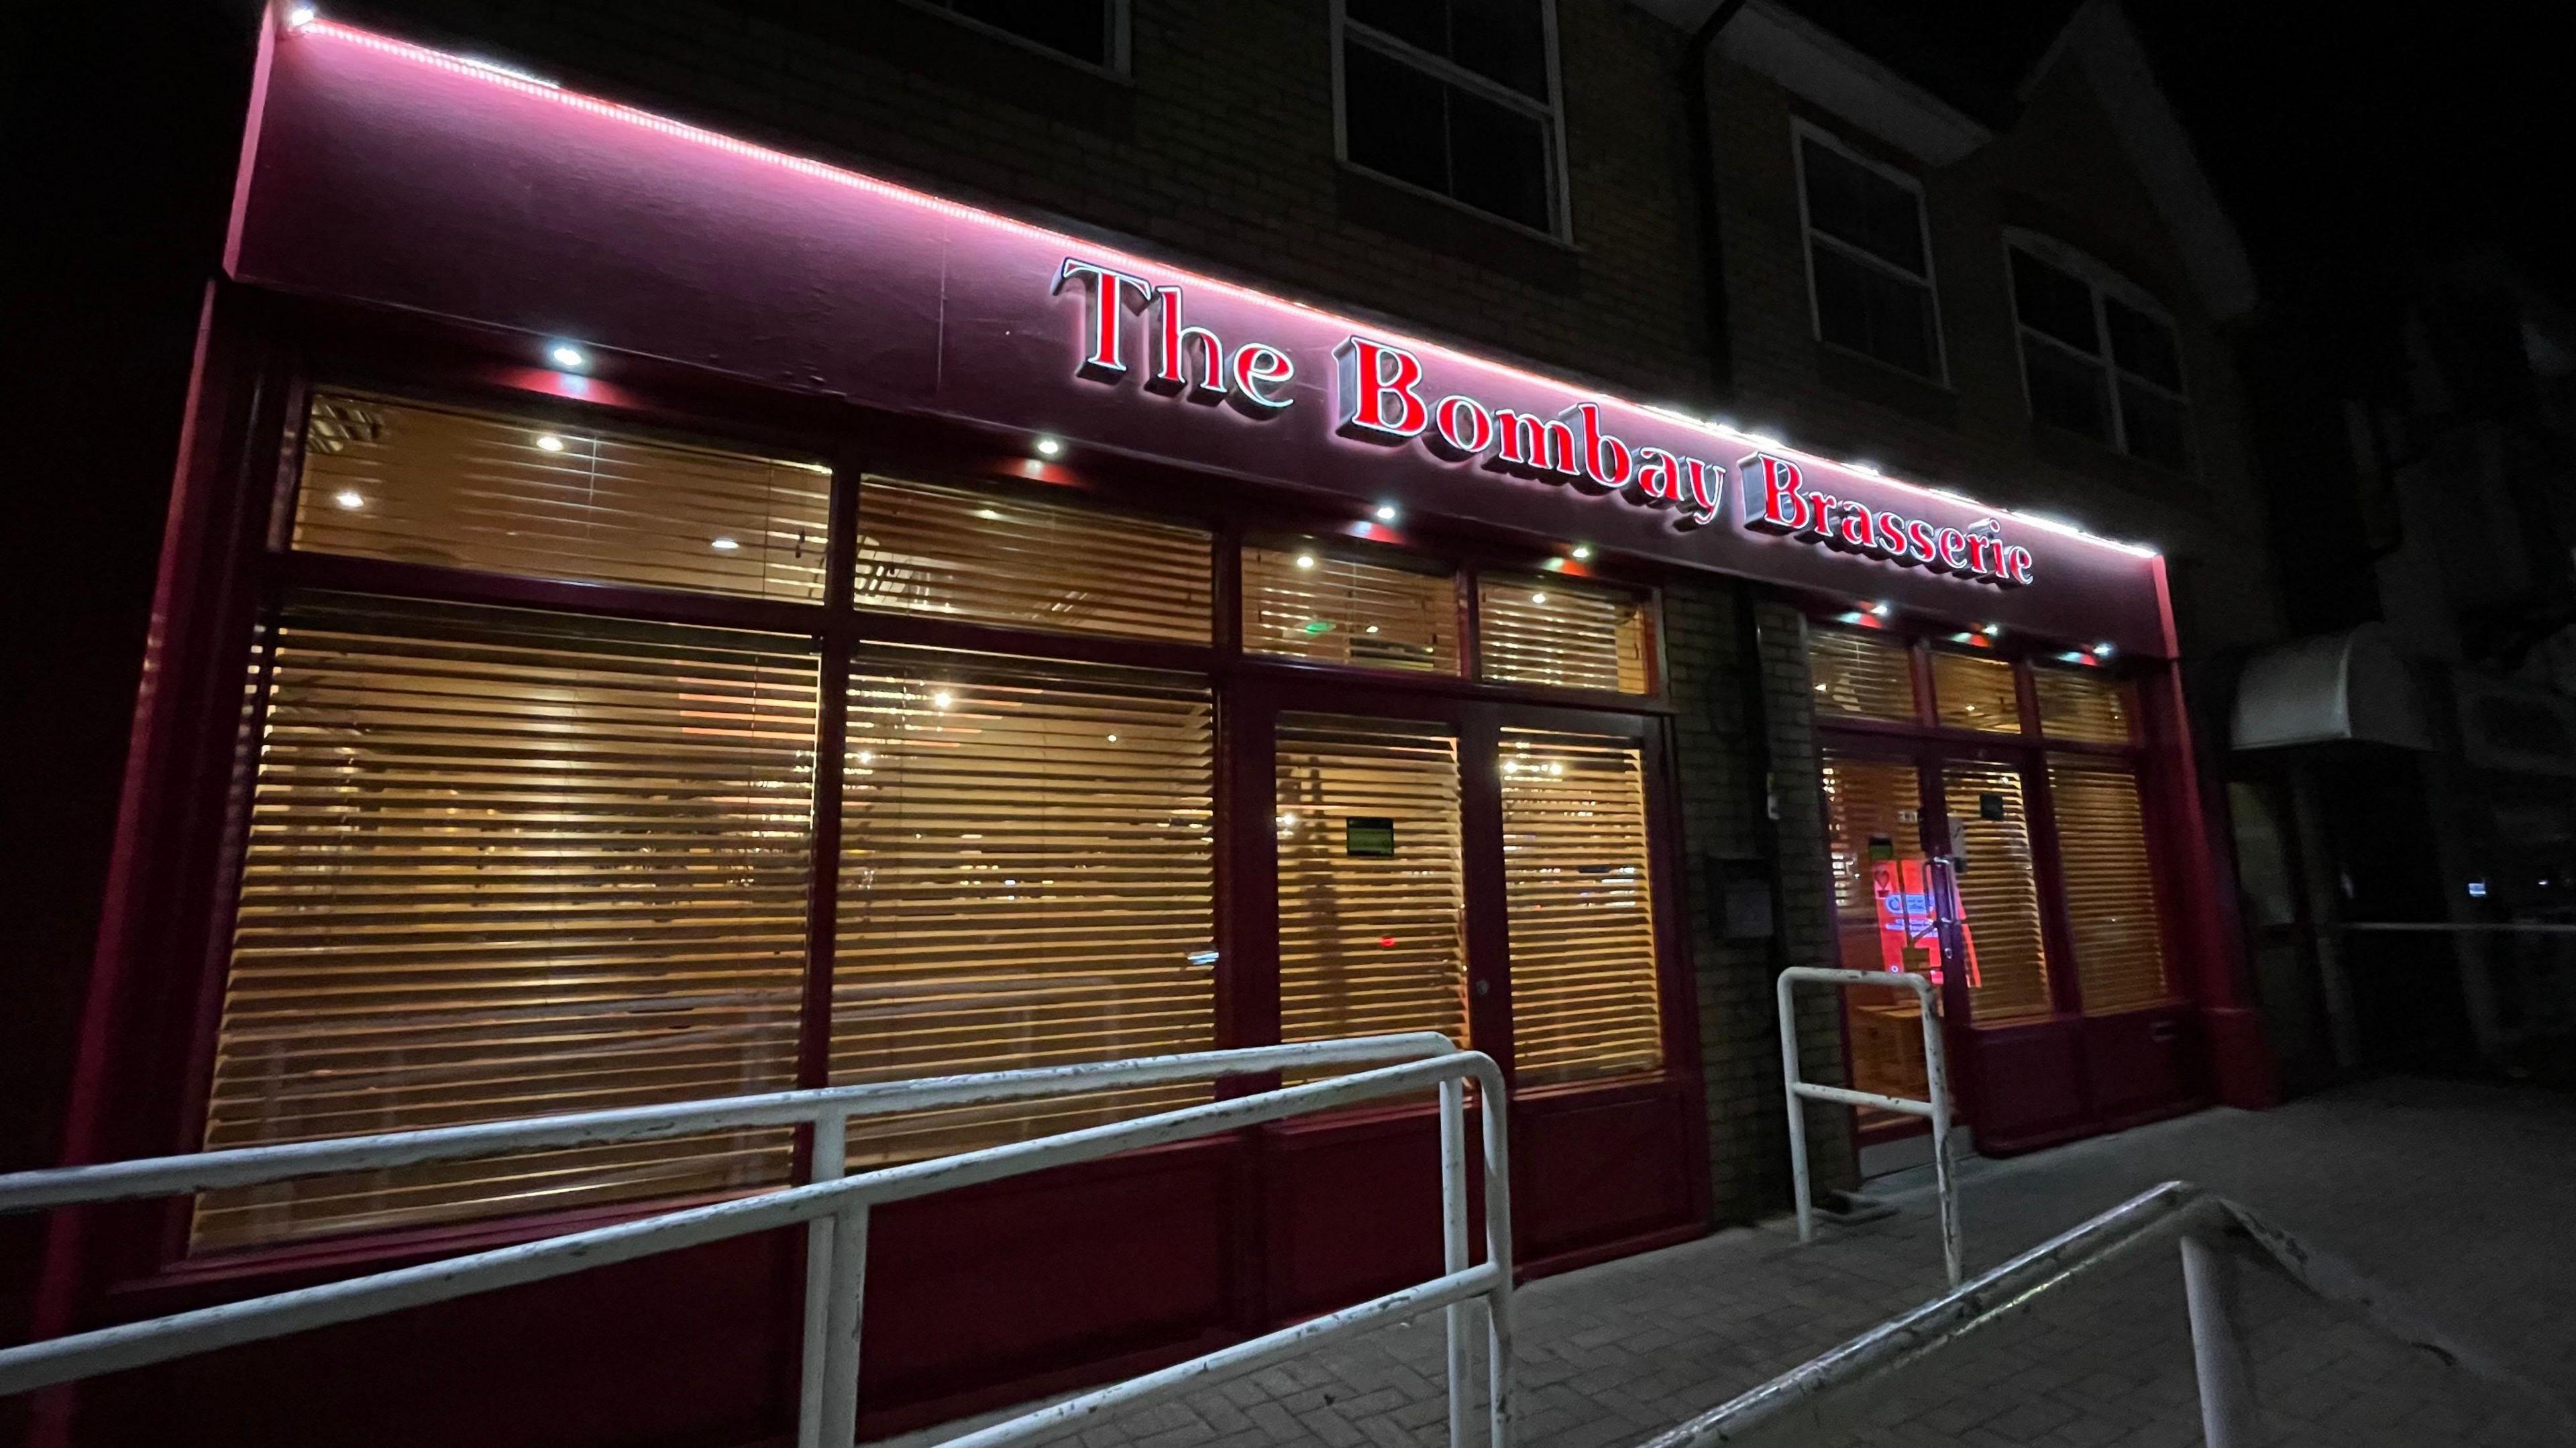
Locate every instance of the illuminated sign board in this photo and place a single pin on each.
(1384, 394)
(398, 177)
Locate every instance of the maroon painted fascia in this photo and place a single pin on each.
(391, 175)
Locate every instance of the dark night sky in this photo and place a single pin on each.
(2347, 141)
(2352, 141)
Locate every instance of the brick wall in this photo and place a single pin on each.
(1217, 149)
(1722, 799)
(2061, 170)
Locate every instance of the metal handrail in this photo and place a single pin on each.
(1936, 1068)
(835, 1208)
(1820, 1398)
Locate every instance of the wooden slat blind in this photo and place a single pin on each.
(502, 864)
(2081, 704)
(1562, 635)
(1873, 815)
(1369, 943)
(1026, 563)
(2110, 892)
(1302, 602)
(422, 483)
(1581, 908)
(1873, 807)
(1998, 892)
(1026, 876)
(1862, 675)
(1970, 692)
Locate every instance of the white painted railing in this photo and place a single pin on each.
(1838, 1393)
(835, 1207)
(1936, 1069)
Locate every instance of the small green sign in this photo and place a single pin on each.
(1881, 848)
(1372, 835)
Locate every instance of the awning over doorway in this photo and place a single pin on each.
(2339, 686)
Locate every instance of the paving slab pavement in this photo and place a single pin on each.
(2457, 1195)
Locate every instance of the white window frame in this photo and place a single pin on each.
(1560, 209)
(1116, 69)
(2105, 284)
(1801, 132)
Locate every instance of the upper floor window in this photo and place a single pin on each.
(1869, 256)
(1090, 31)
(1457, 97)
(2098, 356)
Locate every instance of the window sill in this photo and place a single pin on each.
(1452, 228)
(1114, 74)
(970, 57)
(1857, 374)
(2079, 453)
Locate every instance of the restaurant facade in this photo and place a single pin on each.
(650, 616)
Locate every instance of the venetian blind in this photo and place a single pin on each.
(2080, 704)
(2110, 891)
(1873, 819)
(421, 483)
(503, 864)
(1584, 1002)
(1304, 603)
(1024, 563)
(1371, 934)
(1026, 880)
(1998, 892)
(1883, 917)
(1563, 635)
(1970, 692)
(1862, 675)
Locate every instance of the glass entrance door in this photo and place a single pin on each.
(1372, 904)
(1884, 919)
(1934, 873)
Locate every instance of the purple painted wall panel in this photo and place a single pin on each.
(386, 174)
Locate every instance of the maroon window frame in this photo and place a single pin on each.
(227, 566)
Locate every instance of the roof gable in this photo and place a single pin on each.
(2100, 44)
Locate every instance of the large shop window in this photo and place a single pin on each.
(1457, 97)
(1861, 675)
(1972, 692)
(981, 557)
(2099, 357)
(414, 483)
(1026, 880)
(1582, 922)
(1302, 601)
(2110, 887)
(1532, 630)
(1869, 256)
(502, 864)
